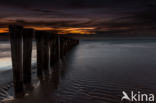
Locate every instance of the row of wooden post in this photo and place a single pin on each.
(50, 49)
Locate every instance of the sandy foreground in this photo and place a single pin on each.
(43, 90)
(43, 93)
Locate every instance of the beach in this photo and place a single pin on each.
(97, 71)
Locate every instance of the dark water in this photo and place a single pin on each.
(98, 71)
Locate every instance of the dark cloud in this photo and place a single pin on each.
(43, 23)
(111, 16)
(134, 21)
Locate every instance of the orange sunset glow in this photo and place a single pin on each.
(60, 30)
(82, 30)
(4, 30)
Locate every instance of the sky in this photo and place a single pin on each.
(107, 16)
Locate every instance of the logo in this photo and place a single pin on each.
(137, 97)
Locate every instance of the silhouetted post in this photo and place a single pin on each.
(42, 41)
(52, 49)
(67, 45)
(27, 54)
(61, 47)
(15, 33)
(39, 45)
(56, 49)
(46, 53)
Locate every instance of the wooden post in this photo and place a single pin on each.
(61, 47)
(15, 33)
(39, 45)
(52, 50)
(27, 54)
(56, 49)
(42, 41)
(46, 53)
(65, 45)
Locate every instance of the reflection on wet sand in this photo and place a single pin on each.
(45, 91)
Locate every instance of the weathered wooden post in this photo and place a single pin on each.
(27, 54)
(61, 49)
(39, 45)
(56, 49)
(64, 43)
(42, 41)
(52, 49)
(15, 33)
(46, 53)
